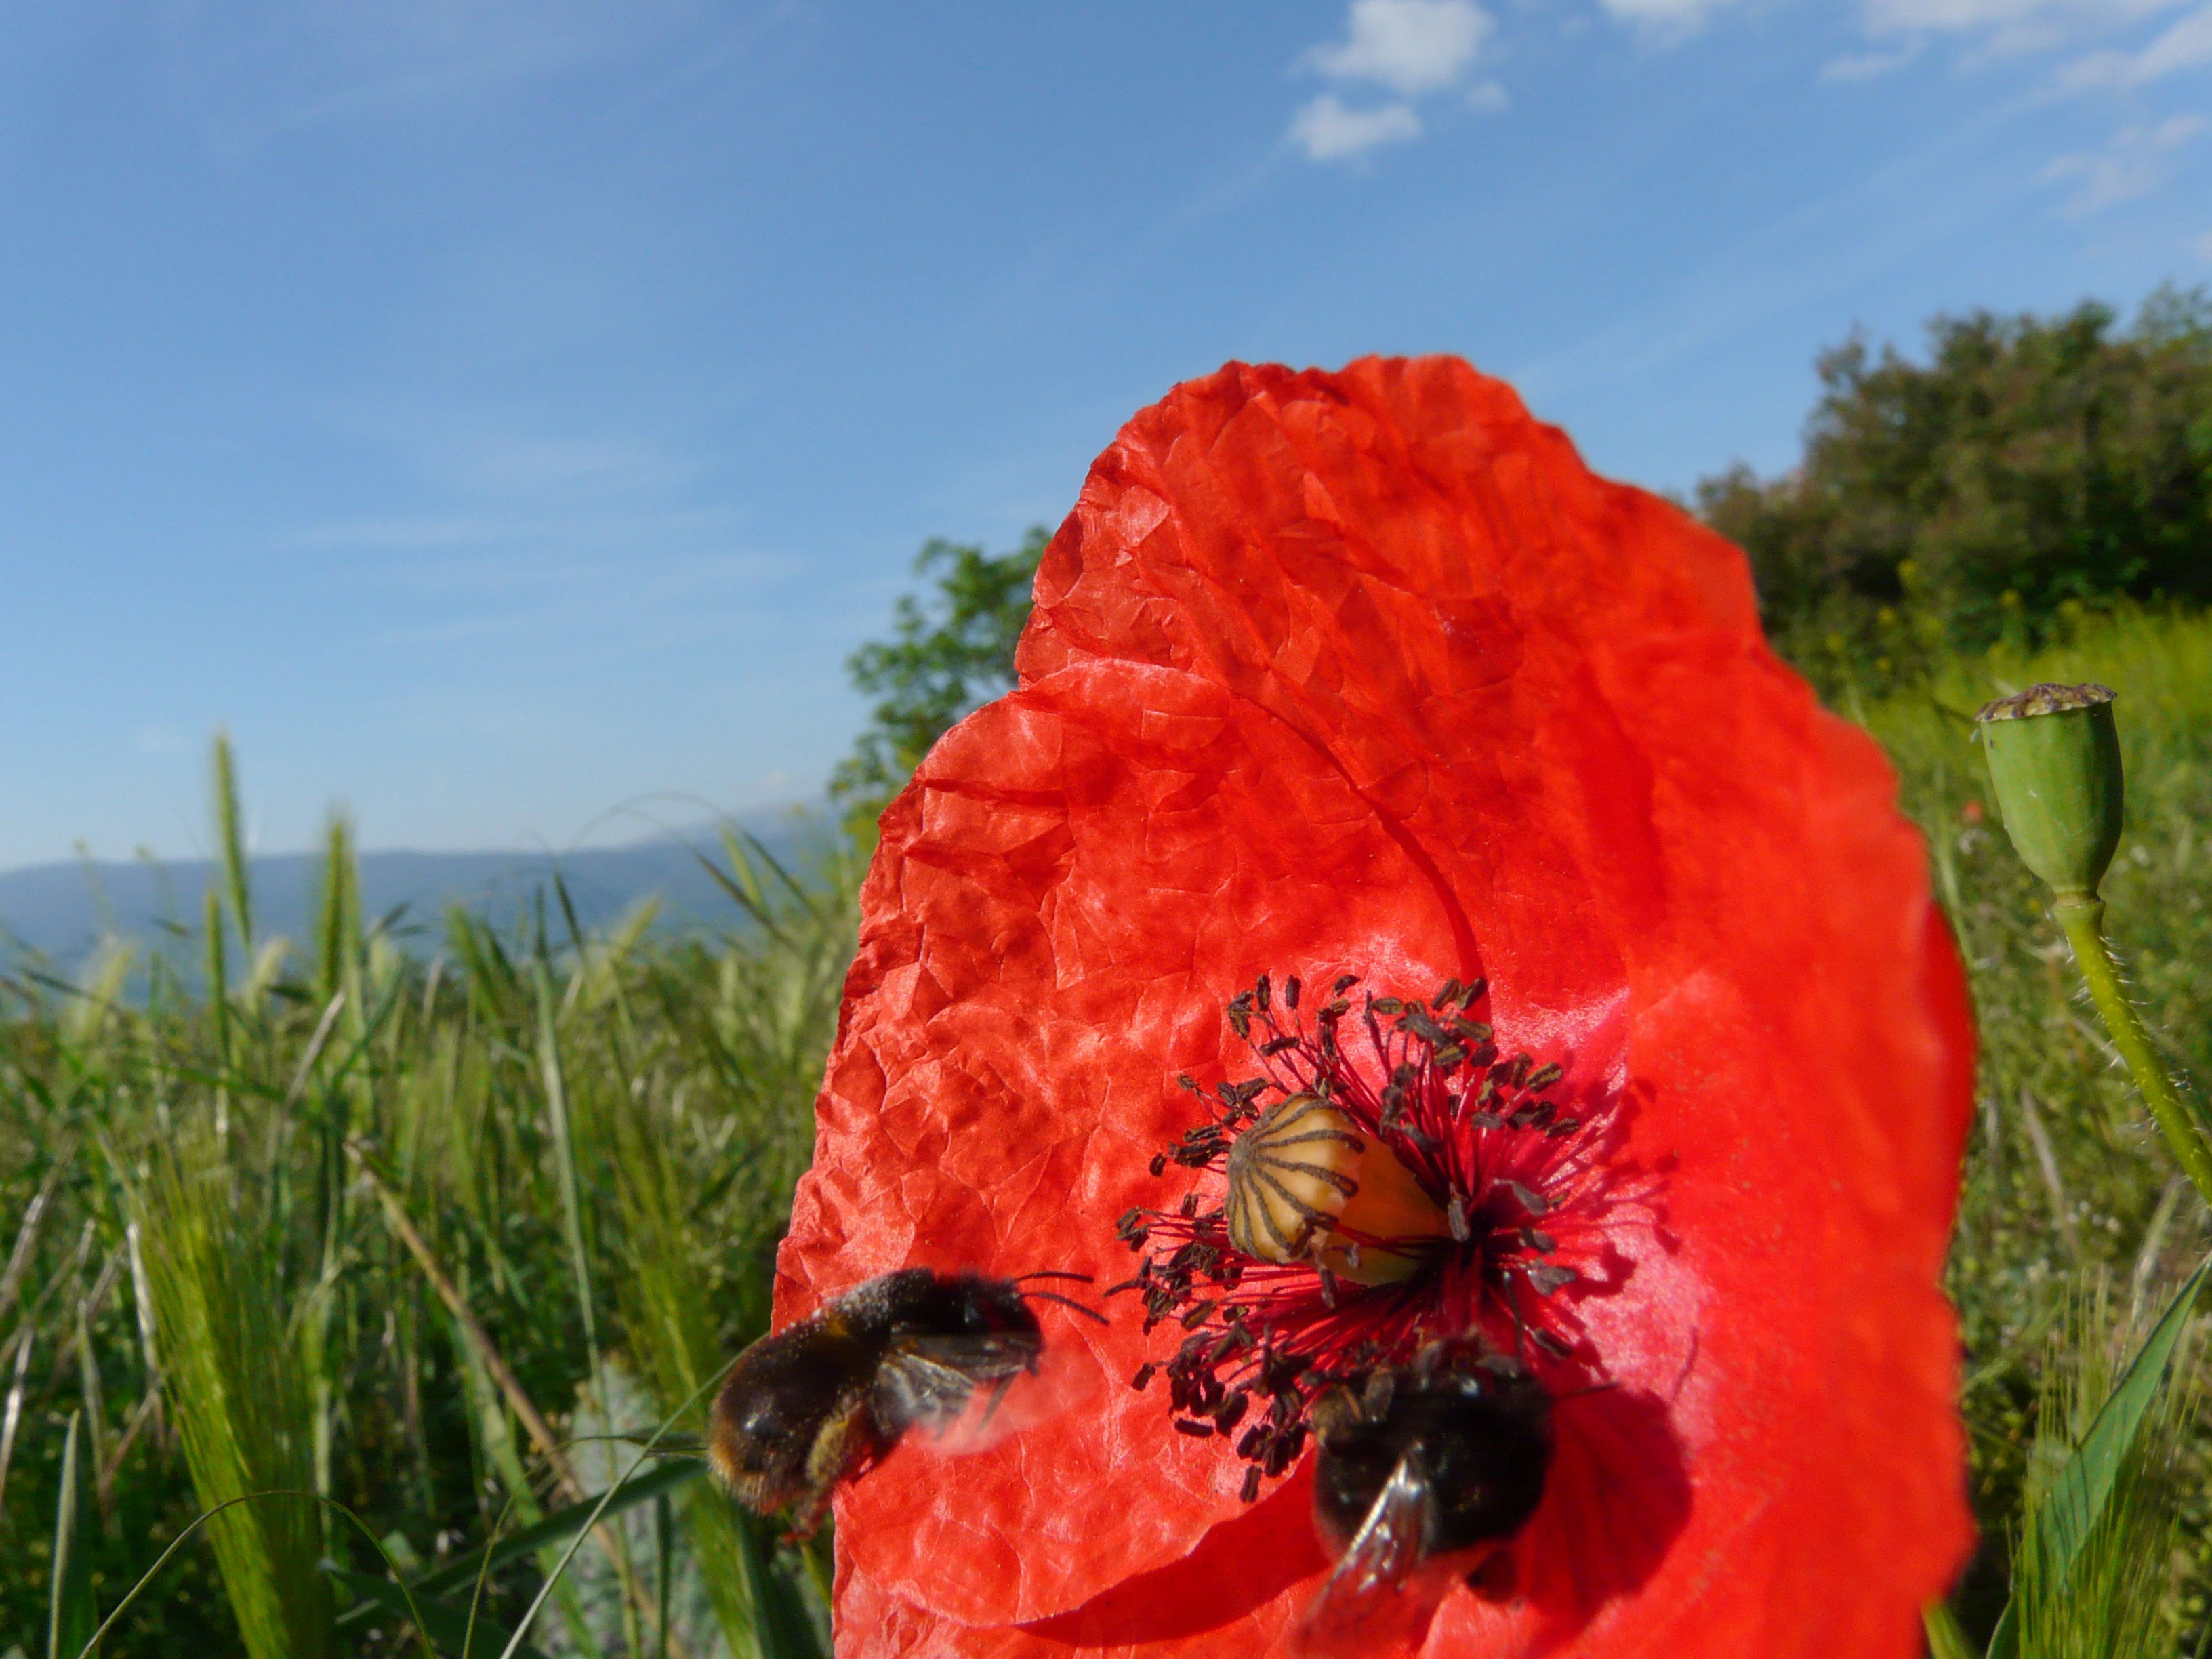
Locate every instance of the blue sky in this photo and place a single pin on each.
(503, 413)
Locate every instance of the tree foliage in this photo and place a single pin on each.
(2030, 465)
(948, 654)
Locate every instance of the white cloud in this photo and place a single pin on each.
(1896, 30)
(1865, 65)
(2129, 167)
(1330, 132)
(2202, 245)
(1959, 16)
(1409, 46)
(2186, 45)
(1664, 18)
(2007, 26)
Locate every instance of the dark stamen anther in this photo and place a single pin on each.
(1534, 1203)
(1456, 1219)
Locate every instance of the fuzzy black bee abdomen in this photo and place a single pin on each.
(1487, 1469)
(1477, 1443)
(784, 1393)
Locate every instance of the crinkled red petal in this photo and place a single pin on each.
(1366, 671)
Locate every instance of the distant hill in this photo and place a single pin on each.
(62, 911)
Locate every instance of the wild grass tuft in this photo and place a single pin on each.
(371, 1219)
(232, 1331)
(2114, 1599)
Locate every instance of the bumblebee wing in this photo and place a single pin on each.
(1363, 1598)
(927, 1379)
(981, 1357)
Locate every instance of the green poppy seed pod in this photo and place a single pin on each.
(2054, 756)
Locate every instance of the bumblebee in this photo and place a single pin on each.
(1417, 1469)
(822, 1402)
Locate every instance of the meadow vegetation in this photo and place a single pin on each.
(398, 1222)
(415, 1225)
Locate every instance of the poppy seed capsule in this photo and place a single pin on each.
(1303, 1185)
(2054, 756)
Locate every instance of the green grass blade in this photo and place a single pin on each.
(2078, 1492)
(218, 979)
(71, 1617)
(562, 1525)
(231, 836)
(664, 1563)
(559, 1570)
(338, 919)
(443, 1623)
(780, 1623)
(1945, 1639)
(257, 1499)
(564, 1157)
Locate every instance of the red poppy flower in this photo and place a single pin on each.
(1364, 674)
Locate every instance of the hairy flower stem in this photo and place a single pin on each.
(2084, 918)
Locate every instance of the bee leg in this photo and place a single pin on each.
(843, 1447)
(1336, 1413)
(1375, 1398)
(997, 1393)
(806, 1518)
